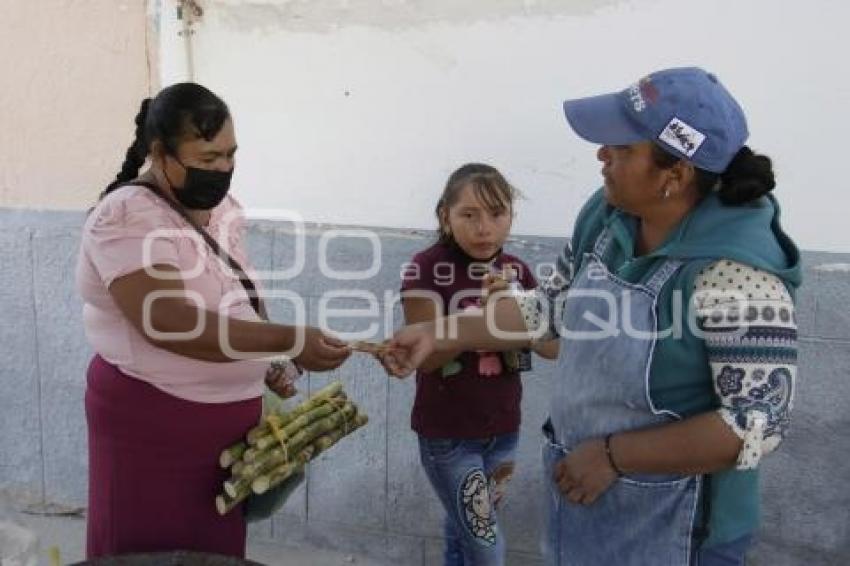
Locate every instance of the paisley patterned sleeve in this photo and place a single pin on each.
(748, 323)
(541, 306)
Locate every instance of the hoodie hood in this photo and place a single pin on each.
(750, 234)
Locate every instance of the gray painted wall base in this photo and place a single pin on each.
(369, 495)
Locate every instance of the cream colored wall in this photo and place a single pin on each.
(73, 74)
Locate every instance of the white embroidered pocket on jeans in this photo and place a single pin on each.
(476, 507)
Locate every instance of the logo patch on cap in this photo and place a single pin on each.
(648, 90)
(682, 137)
(643, 93)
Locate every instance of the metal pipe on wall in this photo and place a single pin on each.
(173, 24)
(188, 11)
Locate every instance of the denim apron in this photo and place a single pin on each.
(607, 344)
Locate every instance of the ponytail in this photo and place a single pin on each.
(136, 153)
(748, 177)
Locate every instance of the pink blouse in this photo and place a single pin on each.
(133, 229)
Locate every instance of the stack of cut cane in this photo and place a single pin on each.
(283, 443)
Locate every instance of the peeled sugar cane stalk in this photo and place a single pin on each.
(289, 450)
(237, 489)
(273, 453)
(297, 440)
(286, 470)
(232, 454)
(292, 425)
(281, 473)
(311, 403)
(224, 503)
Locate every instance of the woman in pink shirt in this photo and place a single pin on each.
(181, 335)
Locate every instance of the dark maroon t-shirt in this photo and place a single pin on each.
(480, 397)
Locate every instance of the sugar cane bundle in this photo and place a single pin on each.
(281, 445)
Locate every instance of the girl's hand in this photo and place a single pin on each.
(321, 352)
(409, 348)
(585, 473)
(496, 282)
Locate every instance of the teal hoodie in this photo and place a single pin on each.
(680, 376)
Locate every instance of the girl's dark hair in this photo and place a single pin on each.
(178, 111)
(489, 186)
(747, 177)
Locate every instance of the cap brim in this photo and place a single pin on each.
(602, 119)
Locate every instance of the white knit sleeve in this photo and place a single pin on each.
(747, 319)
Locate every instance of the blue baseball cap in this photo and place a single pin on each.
(686, 111)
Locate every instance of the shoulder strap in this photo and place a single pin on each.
(249, 286)
(663, 274)
(602, 242)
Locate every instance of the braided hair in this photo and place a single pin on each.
(136, 153)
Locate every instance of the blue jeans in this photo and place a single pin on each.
(470, 477)
(729, 554)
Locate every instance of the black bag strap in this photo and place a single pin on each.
(249, 286)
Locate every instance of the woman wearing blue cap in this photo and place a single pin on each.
(675, 310)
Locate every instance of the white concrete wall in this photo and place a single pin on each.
(73, 74)
(355, 111)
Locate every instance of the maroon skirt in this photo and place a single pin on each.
(153, 467)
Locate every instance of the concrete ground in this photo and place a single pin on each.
(65, 530)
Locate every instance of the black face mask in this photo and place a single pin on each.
(203, 189)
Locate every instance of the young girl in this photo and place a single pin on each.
(467, 407)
